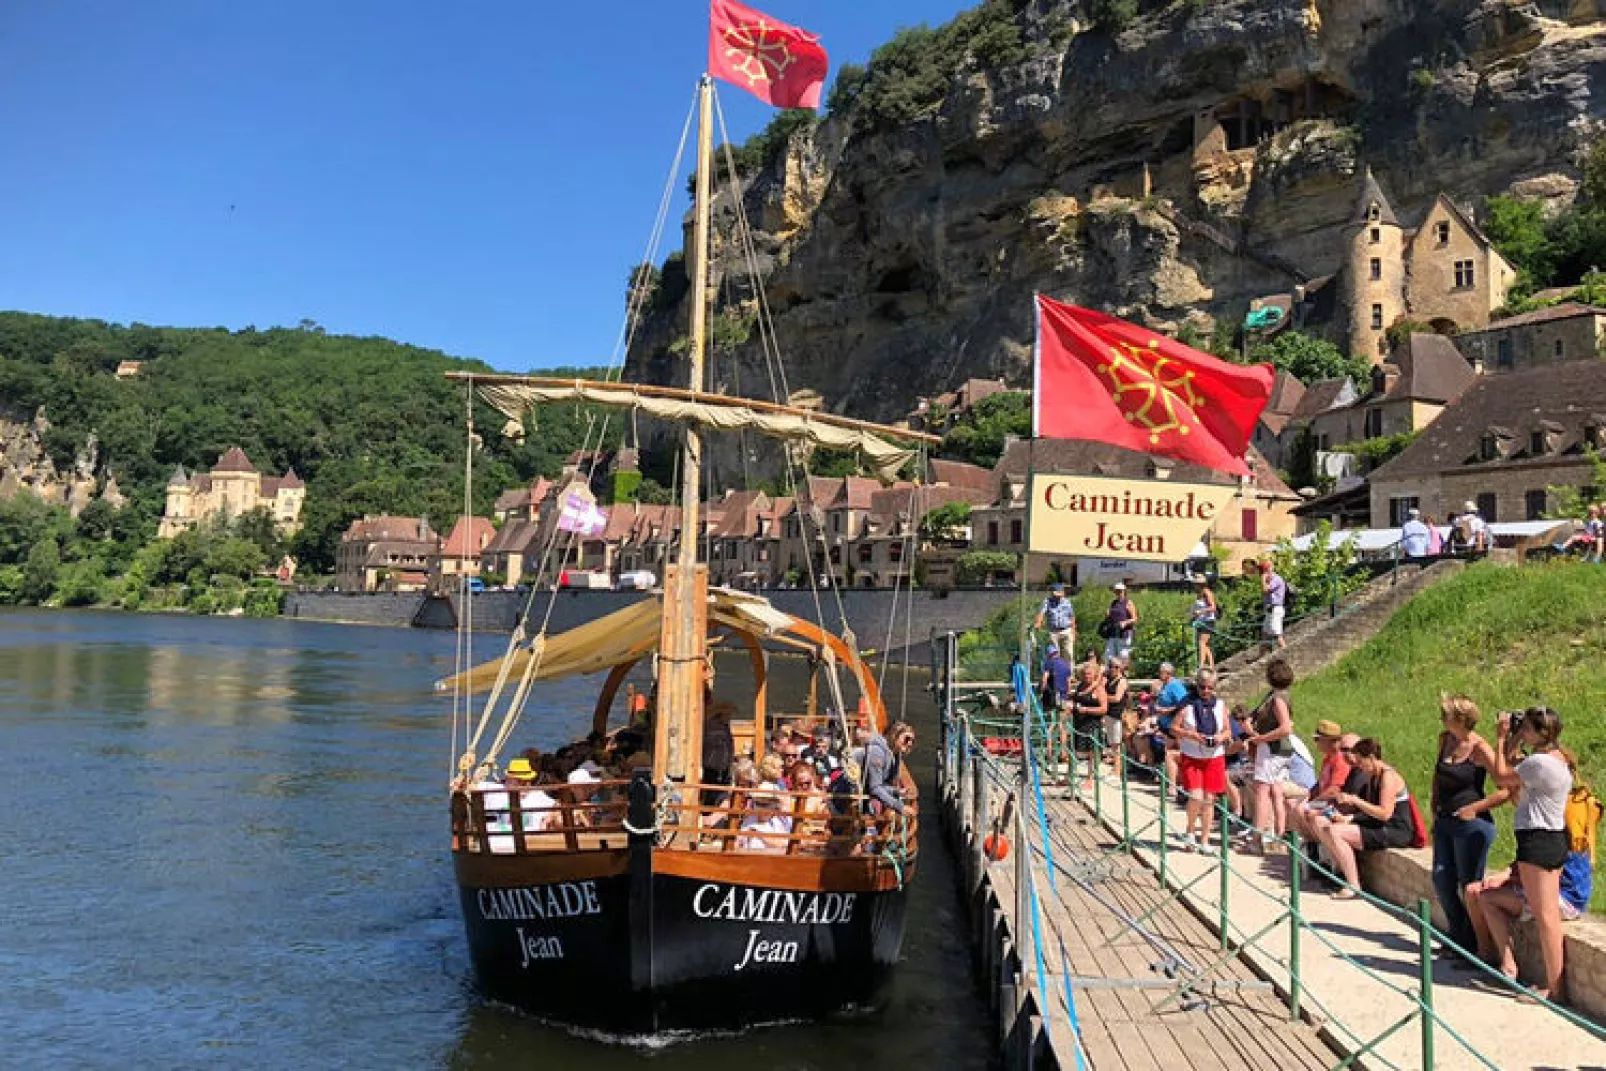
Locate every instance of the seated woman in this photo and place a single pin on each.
(727, 813)
(766, 823)
(1376, 818)
(809, 807)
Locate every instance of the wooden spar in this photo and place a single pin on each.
(683, 647)
(680, 394)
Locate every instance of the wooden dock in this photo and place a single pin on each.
(1126, 949)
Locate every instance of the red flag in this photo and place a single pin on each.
(781, 65)
(1109, 381)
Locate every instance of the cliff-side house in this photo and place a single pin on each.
(385, 553)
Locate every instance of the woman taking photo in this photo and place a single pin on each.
(1203, 622)
(1462, 827)
(1379, 817)
(1540, 784)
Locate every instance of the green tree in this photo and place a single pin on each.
(979, 435)
(40, 572)
(1309, 359)
(1517, 227)
(228, 555)
(937, 523)
(1302, 461)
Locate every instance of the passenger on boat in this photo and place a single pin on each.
(498, 821)
(719, 746)
(536, 807)
(766, 825)
(810, 806)
(583, 791)
(884, 775)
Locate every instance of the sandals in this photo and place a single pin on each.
(1344, 892)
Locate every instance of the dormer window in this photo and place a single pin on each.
(1374, 213)
(1494, 444)
(1595, 432)
(1441, 232)
(1538, 442)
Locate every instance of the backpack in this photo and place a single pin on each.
(1204, 716)
(1583, 816)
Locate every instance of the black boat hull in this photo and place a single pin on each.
(727, 944)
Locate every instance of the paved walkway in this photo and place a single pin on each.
(1366, 1001)
(1124, 981)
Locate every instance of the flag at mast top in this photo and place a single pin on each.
(781, 65)
(1106, 380)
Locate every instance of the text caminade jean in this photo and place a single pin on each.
(1460, 851)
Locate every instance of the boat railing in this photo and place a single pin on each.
(690, 817)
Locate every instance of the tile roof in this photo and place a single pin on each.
(515, 537)
(234, 460)
(1571, 394)
(469, 537)
(854, 493)
(1323, 395)
(1431, 369)
(290, 479)
(1565, 311)
(179, 477)
(385, 527)
(1371, 193)
(1286, 391)
(962, 474)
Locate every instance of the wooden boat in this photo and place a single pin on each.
(639, 905)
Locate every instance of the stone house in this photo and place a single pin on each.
(231, 489)
(889, 546)
(523, 503)
(1566, 332)
(1445, 271)
(739, 548)
(385, 553)
(460, 554)
(1423, 375)
(939, 413)
(1286, 393)
(514, 552)
(1501, 445)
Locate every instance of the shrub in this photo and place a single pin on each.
(1309, 359)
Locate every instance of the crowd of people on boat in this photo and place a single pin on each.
(823, 784)
(1343, 799)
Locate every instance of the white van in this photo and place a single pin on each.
(640, 580)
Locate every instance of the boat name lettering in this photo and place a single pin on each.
(563, 900)
(537, 946)
(734, 904)
(767, 951)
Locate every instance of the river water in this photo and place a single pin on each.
(225, 846)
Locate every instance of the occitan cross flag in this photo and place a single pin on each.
(1106, 380)
(781, 65)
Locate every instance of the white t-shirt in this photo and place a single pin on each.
(1546, 784)
(539, 810)
(1194, 749)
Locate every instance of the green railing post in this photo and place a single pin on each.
(1225, 863)
(1295, 922)
(1165, 831)
(1098, 779)
(1126, 807)
(1424, 914)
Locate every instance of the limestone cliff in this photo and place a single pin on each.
(1204, 154)
(26, 465)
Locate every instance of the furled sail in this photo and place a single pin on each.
(709, 411)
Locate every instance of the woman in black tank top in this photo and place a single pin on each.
(1462, 827)
(1088, 704)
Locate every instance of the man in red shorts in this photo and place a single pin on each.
(1202, 730)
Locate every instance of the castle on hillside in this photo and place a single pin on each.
(233, 488)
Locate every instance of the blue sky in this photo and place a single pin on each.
(476, 178)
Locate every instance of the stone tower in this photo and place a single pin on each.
(1373, 291)
(180, 504)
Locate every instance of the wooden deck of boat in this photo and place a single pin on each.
(1125, 1028)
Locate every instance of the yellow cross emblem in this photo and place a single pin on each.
(1150, 391)
(759, 51)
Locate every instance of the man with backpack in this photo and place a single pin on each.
(1470, 534)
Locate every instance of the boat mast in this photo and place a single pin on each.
(683, 649)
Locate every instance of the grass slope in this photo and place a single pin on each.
(1508, 638)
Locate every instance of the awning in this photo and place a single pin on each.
(622, 636)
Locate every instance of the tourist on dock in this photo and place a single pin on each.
(1541, 785)
(1274, 603)
(1414, 535)
(1240, 765)
(1055, 686)
(1203, 731)
(1117, 703)
(1377, 817)
(1088, 703)
(1119, 624)
(1059, 616)
(1330, 780)
(1206, 611)
(1173, 694)
(1463, 829)
(1273, 726)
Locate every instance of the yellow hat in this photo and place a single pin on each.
(520, 767)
